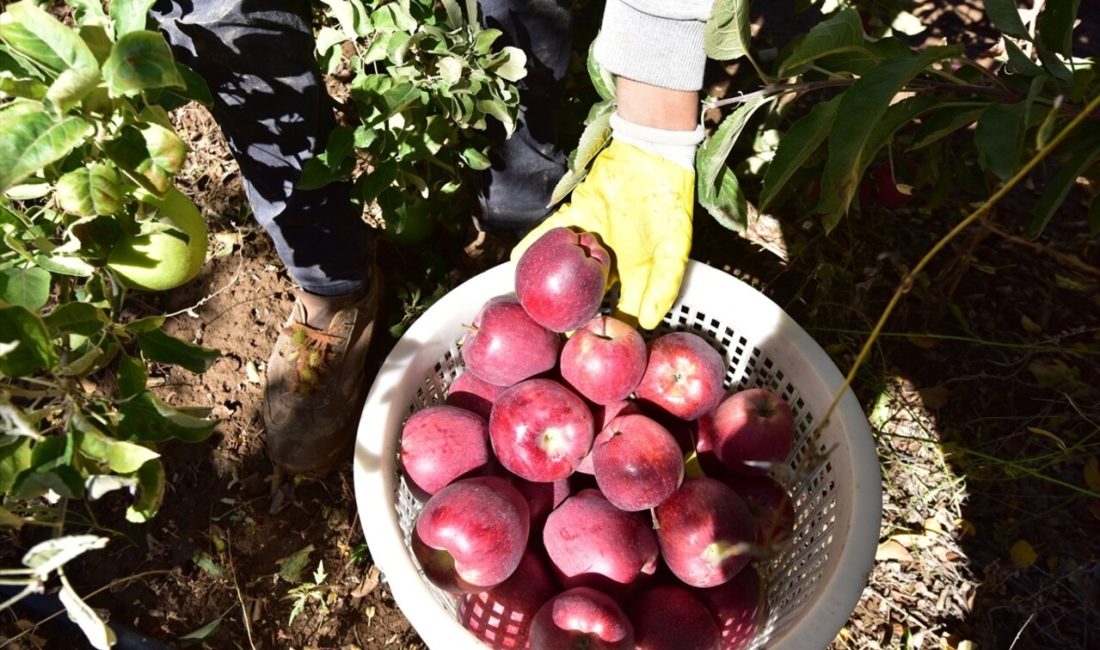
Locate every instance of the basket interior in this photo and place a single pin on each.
(795, 574)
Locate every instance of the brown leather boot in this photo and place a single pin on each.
(315, 386)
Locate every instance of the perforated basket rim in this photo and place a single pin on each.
(416, 354)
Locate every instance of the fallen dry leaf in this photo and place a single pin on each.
(892, 550)
(369, 583)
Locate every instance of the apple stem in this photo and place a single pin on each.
(653, 517)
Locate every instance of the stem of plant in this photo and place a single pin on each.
(912, 276)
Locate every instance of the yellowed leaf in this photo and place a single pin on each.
(922, 342)
(966, 529)
(1092, 474)
(1030, 326)
(892, 550)
(1023, 554)
(1046, 434)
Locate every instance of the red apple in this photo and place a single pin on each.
(604, 360)
(540, 430)
(669, 617)
(474, 394)
(441, 443)
(753, 430)
(581, 619)
(603, 415)
(506, 346)
(471, 535)
(705, 531)
(561, 278)
(684, 375)
(739, 606)
(637, 463)
(501, 617)
(771, 508)
(592, 543)
(542, 498)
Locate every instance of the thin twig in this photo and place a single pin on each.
(778, 89)
(1067, 259)
(202, 301)
(913, 274)
(240, 598)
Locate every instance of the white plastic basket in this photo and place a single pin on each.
(812, 586)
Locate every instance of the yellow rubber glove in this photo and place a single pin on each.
(640, 205)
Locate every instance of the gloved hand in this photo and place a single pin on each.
(638, 197)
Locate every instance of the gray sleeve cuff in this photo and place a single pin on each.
(665, 52)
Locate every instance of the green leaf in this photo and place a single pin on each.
(514, 67)
(99, 635)
(943, 123)
(842, 32)
(596, 135)
(1056, 25)
(89, 11)
(150, 492)
(15, 458)
(146, 418)
(726, 202)
(852, 142)
(65, 265)
(726, 35)
(53, 554)
(351, 16)
(796, 146)
(332, 164)
(96, 36)
(450, 69)
(397, 99)
(201, 634)
(90, 191)
(1000, 137)
(36, 34)
(129, 15)
(132, 376)
(712, 154)
(72, 86)
(51, 469)
(207, 564)
(483, 42)
(475, 159)
(1006, 17)
(501, 112)
(144, 324)
(140, 60)
(291, 566)
(28, 287)
(602, 80)
(159, 346)
(165, 152)
(1019, 62)
(120, 456)
(1052, 64)
(33, 352)
(81, 318)
(454, 13)
(195, 90)
(25, 88)
(31, 140)
(1084, 154)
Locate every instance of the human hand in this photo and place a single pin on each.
(640, 204)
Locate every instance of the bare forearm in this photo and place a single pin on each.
(653, 106)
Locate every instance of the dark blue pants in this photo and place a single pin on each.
(270, 101)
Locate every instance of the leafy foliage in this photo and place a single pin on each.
(83, 140)
(879, 106)
(426, 84)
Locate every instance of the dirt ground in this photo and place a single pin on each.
(982, 393)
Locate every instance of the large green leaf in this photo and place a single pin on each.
(602, 80)
(151, 485)
(72, 86)
(710, 160)
(514, 67)
(130, 15)
(726, 35)
(842, 32)
(943, 123)
(596, 135)
(36, 34)
(159, 346)
(726, 202)
(90, 191)
(21, 87)
(1019, 62)
(150, 154)
(132, 376)
(50, 469)
(118, 455)
(1005, 16)
(1056, 25)
(146, 418)
(796, 146)
(1000, 137)
(1085, 152)
(15, 458)
(140, 61)
(31, 139)
(32, 351)
(81, 318)
(27, 287)
(852, 142)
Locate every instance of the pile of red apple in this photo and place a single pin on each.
(601, 491)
